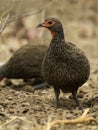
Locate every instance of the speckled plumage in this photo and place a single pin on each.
(64, 66)
(25, 63)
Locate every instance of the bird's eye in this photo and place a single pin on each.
(50, 22)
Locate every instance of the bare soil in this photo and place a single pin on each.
(40, 105)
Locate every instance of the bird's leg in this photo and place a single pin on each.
(74, 93)
(40, 86)
(57, 93)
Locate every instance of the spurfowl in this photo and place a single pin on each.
(25, 63)
(64, 66)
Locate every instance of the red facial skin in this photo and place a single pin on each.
(48, 24)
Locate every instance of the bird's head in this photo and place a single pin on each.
(53, 24)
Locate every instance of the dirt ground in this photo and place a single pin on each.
(23, 109)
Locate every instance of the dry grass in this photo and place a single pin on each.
(82, 119)
(16, 122)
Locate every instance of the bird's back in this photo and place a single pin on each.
(25, 63)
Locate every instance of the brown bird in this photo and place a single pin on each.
(64, 66)
(25, 63)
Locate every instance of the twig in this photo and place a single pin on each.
(8, 18)
(23, 15)
(4, 23)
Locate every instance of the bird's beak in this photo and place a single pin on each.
(40, 25)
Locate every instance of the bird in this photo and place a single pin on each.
(25, 63)
(64, 66)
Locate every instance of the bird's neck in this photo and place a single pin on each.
(58, 38)
(57, 34)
